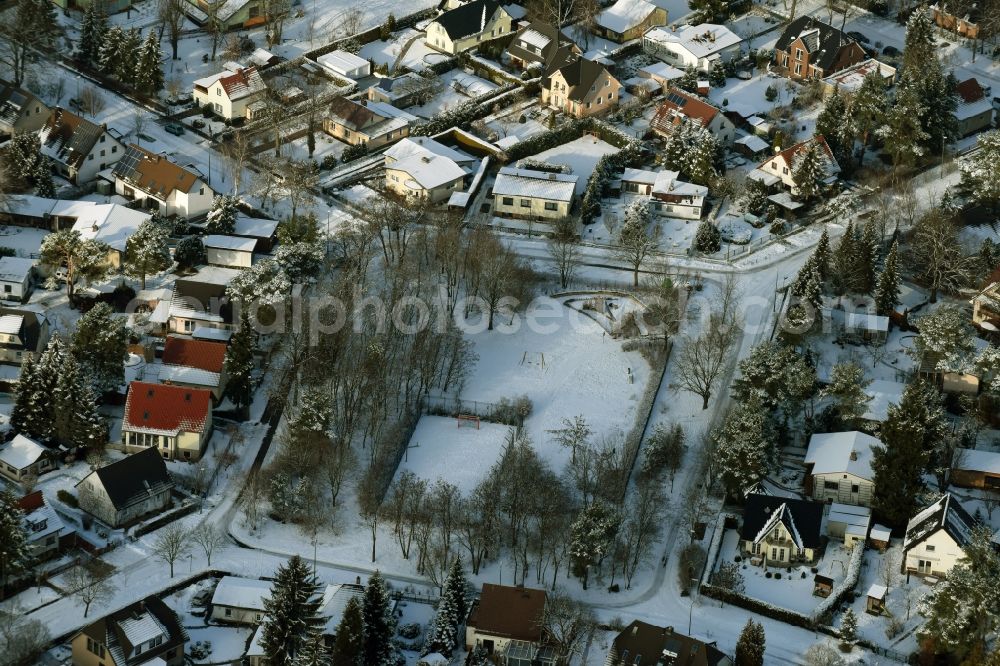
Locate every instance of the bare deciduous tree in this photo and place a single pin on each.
(170, 545)
(642, 526)
(171, 16)
(91, 101)
(703, 358)
(564, 249)
(89, 586)
(567, 623)
(209, 538)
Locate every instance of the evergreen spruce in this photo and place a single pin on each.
(844, 261)
(313, 653)
(239, 362)
(26, 414)
(13, 538)
(847, 389)
(126, 66)
(869, 109)
(989, 257)
(821, 255)
(707, 238)
(291, 613)
(808, 285)
(378, 623)
(904, 136)
(754, 199)
(92, 31)
(222, 218)
(190, 252)
(746, 446)
(149, 66)
(887, 289)
(111, 51)
(349, 642)
(867, 257)
(450, 613)
(146, 250)
(849, 626)
(100, 344)
(750, 646)
(834, 124)
(809, 171)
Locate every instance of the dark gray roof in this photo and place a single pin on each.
(807, 517)
(555, 54)
(947, 514)
(468, 19)
(31, 326)
(211, 297)
(822, 40)
(13, 101)
(580, 75)
(69, 136)
(642, 643)
(108, 631)
(132, 479)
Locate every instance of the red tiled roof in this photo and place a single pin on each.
(31, 502)
(678, 101)
(242, 82)
(788, 154)
(970, 91)
(509, 612)
(201, 354)
(165, 408)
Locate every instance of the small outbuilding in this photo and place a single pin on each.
(822, 586)
(870, 327)
(16, 278)
(344, 63)
(878, 537)
(875, 603)
(229, 251)
(849, 523)
(22, 458)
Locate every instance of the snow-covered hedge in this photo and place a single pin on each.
(846, 587)
(735, 230)
(643, 411)
(539, 165)
(713, 548)
(757, 606)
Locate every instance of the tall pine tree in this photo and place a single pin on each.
(349, 642)
(379, 627)
(821, 255)
(239, 362)
(149, 66)
(314, 652)
(292, 613)
(869, 108)
(887, 289)
(450, 613)
(867, 258)
(750, 646)
(92, 31)
(13, 538)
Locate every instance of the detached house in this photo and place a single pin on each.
(239, 600)
(541, 45)
(780, 531)
(811, 49)
(839, 467)
(468, 25)
(783, 164)
(679, 105)
(229, 93)
(16, 278)
(195, 364)
(23, 333)
(971, 468)
(77, 148)
(936, 538)
(44, 527)
(200, 301)
(581, 88)
(974, 111)
(146, 633)
(371, 123)
(20, 111)
(504, 617)
(703, 46)
(669, 196)
(175, 421)
(642, 643)
(21, 458)
(628, 19)
(161, 185)
(432, 178)
(127, 489)
(536, 195)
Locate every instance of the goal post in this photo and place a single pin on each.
(467, 421)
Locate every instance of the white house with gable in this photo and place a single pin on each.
(229, 93)
(239, 600)
(839, 467)
(530, 194)
(936, 538)
(16, 277)
(703, 46)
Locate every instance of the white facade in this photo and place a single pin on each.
(193, 203)
(229, 251)
(702, 46)
(935, 555)
(15, 277)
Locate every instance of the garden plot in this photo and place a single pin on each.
(581, 155)
(219, 645)
(459, 87)
(411, 626)
(902, 601)
(24, 241)
(440, 448)
(675, 235)
(566, 364)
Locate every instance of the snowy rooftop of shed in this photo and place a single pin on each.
(241, 592)
(21, 452)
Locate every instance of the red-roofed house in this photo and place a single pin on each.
(679, 105)
(974, 111)
(783, 164)
(177, 420)
(194, 363)
(230, 93)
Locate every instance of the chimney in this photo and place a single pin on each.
(854, 455)
(635, 629)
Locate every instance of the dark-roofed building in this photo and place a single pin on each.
(20, 111)
(371, 123)
(936, 537)
(468, 25)
(541, 45)
(781, 531)
(77, 148)
(175, 420)
(811, 49)
(147, 632)
(403, 90)
(503, 614)
(201, 301)
(195, 363)
(679, 106)
(581, 88)
(647, 644)
(161, 185)
(22, 333)
(127, 489)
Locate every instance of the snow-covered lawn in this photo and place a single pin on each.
(440, 449)
(413, 612)
(748, 97)
(581, 155)
(459, 86)
(24, 240)
(675, 235)
(229, 644)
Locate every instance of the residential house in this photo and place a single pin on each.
(466, 26)
(432, 178)
(239, 600)
(967, 25)
(543, 46)
(780, 531)
(503, 614)
(974, 111)
(628, 19)
(20, 110)
(535, 195)
(849, 80)
(986, 307)
(581, 88)
(703, 46)
(976, 469)
(45, 529)
(228, 14)
(262, 230)
(146, 633)
(22, 458)
(127, 489)
(811, 49)
(661, 73)
(782, 165)
(201, 301)
(77, 148)
(345, 64)
(229, 251)
(403, 90)
(669, 196)
(936, 537)
(679, 105)
(195, 363)
(848, 523)
(23, 333)
(371, 123)
(642, 643)
(332, 605)
(108, 6)
(161, 185)
(16, 278)
(176, 421)
(229, 93)
(839, 467)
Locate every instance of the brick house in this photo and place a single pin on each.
(581, 88)
(811, 49)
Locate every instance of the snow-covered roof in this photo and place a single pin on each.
(10, 324)
(883, 393)
(856, 518)
(866, 322)
(257, 227)
(850, 79)
(701, 41)
(661, 70)
(534, 38)
(256, 649)
(422, 145)
(141, 628)
(639, 176)
(428, 171)
(43, 521)
(880, 532)
(342, 62)
(783, 516)
(389, 111)
(236, 592)
(877, 591)
(948, 514)
(109, 223)
(215, 275)
(21, 452)
(973, 109)
(842, 452)
(15, 269)
(768, 179)
(334, 603)
(625, 14)
(182, 374)
(512, 181)
(977, 461)
(754, 143)
(666, 183)
(209, 333)
(229, 243)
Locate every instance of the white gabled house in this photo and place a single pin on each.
(936, 538)
(668, 196)
(703, 46)
(529, 194)
(127, 489)
(77, 148)
(839, 467)
(229, 93)
(16, 278)
(784, 163)
(161, 185)
(467, 25)
(21, 458)
(239, 600)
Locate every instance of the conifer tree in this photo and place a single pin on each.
(349, 642)
(29, 412)
(13, 538)
(239, 362)
(222, 218)
(291, 612)
(887, 289)
(146, 250)
(36, 417)
(92, 31)
(809, 171)
(836, 125)
(869, 108)
(754, 199)
(849, 626)
(904, 136)
(378, 623)
(847, 389)
(111, 51)
(821, 255)
(808, 286)
(750, 646)
(867, 258)
(844, 261)
(746, 446)
(313, 653)
(450, 613)
(127, 64)
(149, 66)
(100, 344)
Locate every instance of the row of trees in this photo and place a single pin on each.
(121, 53)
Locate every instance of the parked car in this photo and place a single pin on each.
(198, 124)
(174, 128)
(857, 36)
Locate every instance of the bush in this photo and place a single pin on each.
(708, 238)
(767, 574)
(7, 251)
(692, 560)
(67, 498)
(410, 630)
(614, 588)
(329, 161)
(190, 252)
(771, 93)
(777, 575)
(352, 153)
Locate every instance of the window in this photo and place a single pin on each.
(218, 91)
(103, 152)
(229, 612)
(784, 170)
(599, 100)
(855, 488)
(549, 205)
(774, 165)
(508, 201)
(611, 96)
(525, 203)
(784, 62)
(201, 191)
(798, 54)
(798, 68)
(774, 553)
(101, 140)
(114, 149)
(90, 158)
(831, 485)
(95, 648)
(6, 288)
(930, 548)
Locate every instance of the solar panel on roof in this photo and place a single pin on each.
(677, 99)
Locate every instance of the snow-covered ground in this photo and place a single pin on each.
(580, 155)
